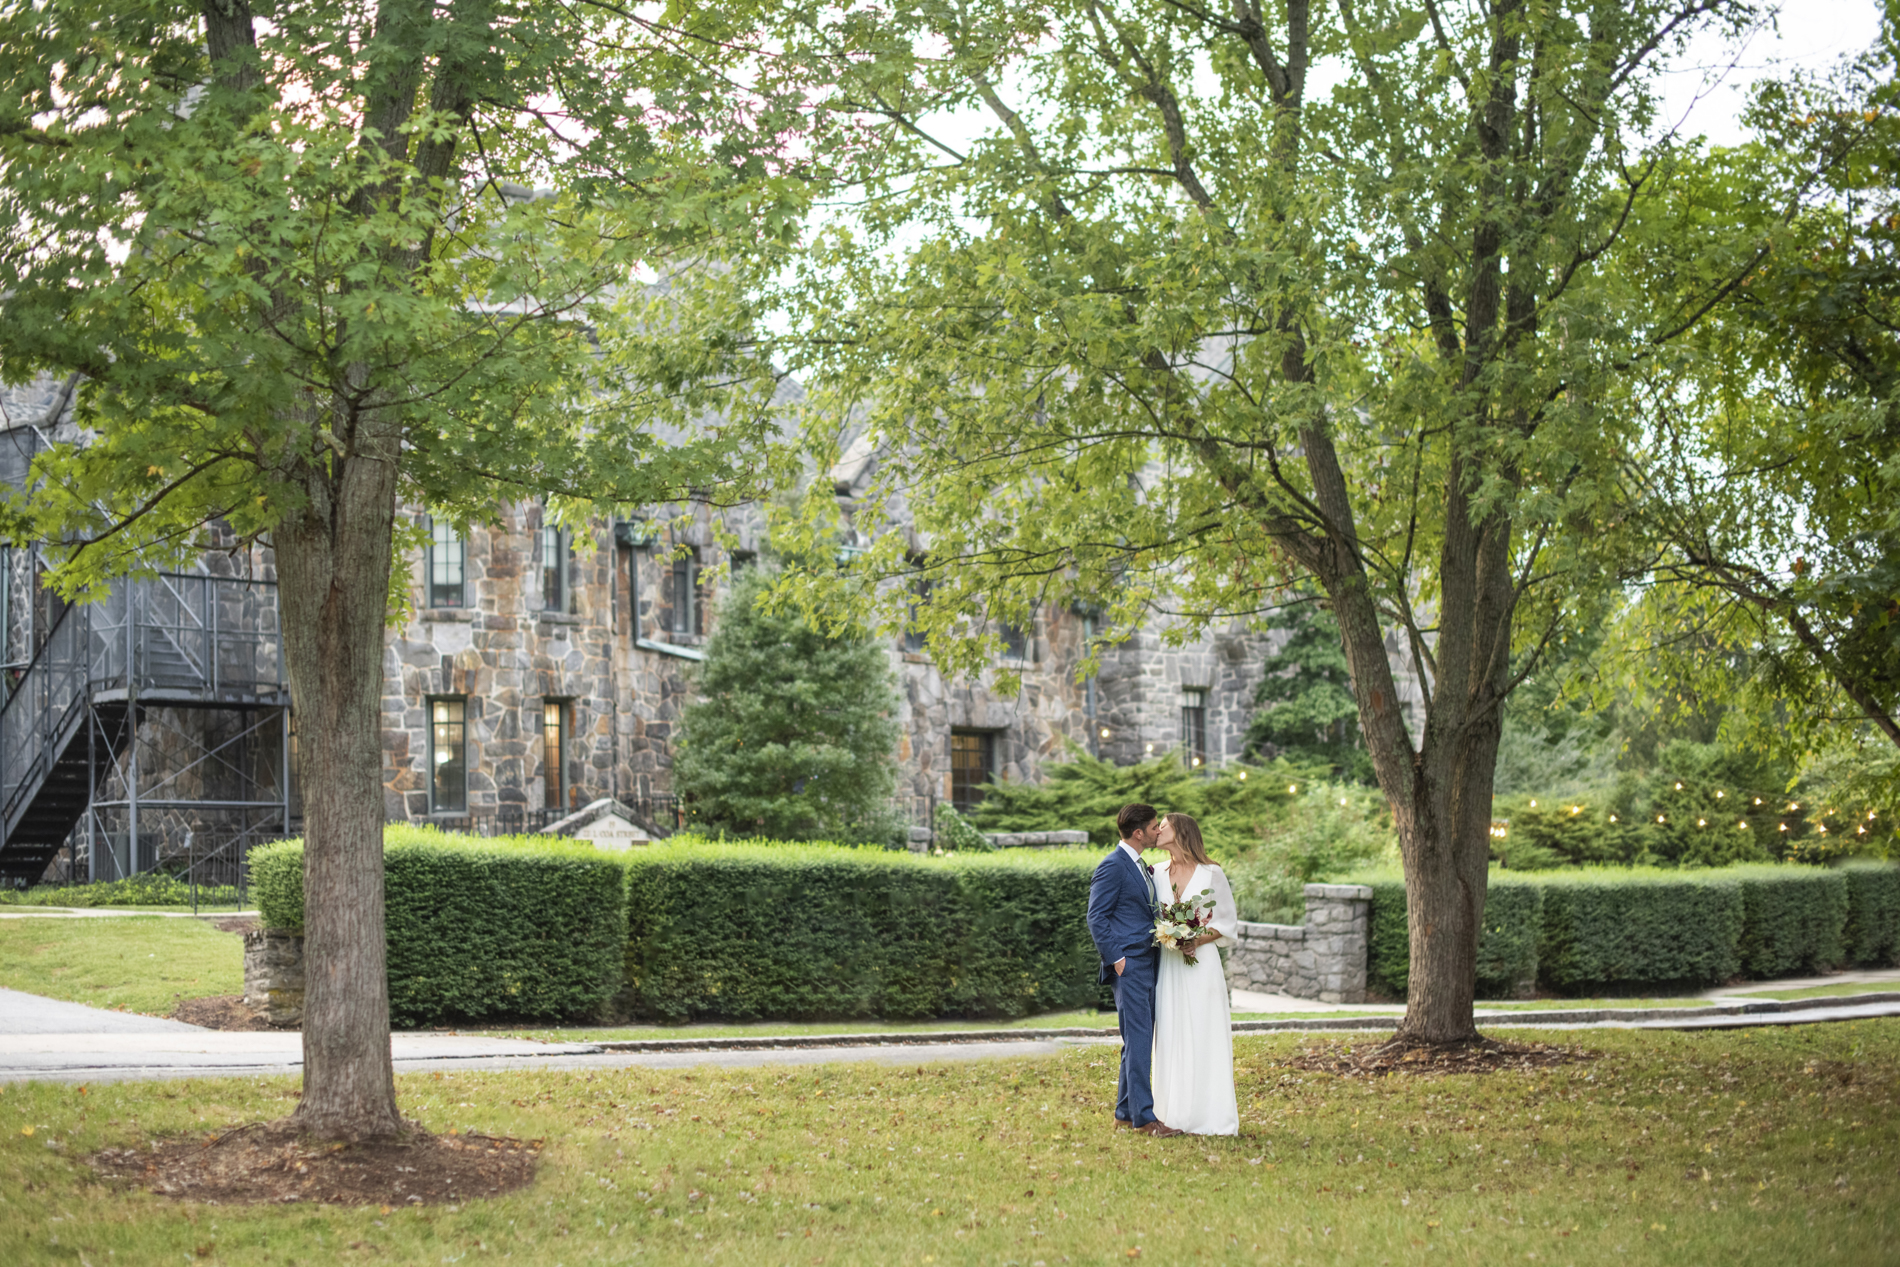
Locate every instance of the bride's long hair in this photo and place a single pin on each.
(1188, 832)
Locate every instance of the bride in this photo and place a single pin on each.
(1194, 1038)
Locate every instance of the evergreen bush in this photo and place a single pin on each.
(816, 932)
(795, 733)
(1871, 938)
(524, 927)
(954, 831)
(1619, 929)
(1792, 919)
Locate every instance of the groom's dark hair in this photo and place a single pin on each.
(1133, 818)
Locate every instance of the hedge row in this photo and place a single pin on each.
(1507, 947)
(478, 929)
(1629, 928)
(793, 932)
(692, 929)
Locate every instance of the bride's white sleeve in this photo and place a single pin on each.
(1226, 910)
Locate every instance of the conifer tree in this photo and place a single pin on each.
(795, 733)
(1307, 712)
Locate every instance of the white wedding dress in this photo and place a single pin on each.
(1194, 1036)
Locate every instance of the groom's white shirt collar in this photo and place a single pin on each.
(1132, 852)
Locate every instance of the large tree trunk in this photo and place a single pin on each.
(333, 561)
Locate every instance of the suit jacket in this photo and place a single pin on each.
(1121, 910)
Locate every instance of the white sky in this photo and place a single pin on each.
(1709, 87)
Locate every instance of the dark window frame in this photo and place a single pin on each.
(444, 593)
(448, 722)
(966, 793)
(1194, 726)
(557, 716)
(688, 614)
(553, 540)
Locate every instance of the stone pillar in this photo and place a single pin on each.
(1338, 928)
(273, 975)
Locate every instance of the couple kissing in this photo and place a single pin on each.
(1177, 1066)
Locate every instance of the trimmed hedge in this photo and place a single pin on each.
(1792, 919)
(1640, 928)
(521, 927)
(1626, 928)
(1507, 948)
(1872, 934)
(756, 930)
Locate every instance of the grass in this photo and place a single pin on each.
(1746, 1147)
(140, 964)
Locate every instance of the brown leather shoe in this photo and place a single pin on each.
(1159, 1129)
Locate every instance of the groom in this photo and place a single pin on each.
(1121, 922)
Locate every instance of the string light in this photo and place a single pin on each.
(1243, 776)
(1661, 819)
(1533, 804)
(1292, 787)
(1718, 794)
(1612, 818)
(1701, 822)
(1678, 787)
(1758, 800)
(1342, 800)
(1784, 827)
(1741, 826)
(1104, 732)
(1576, 809)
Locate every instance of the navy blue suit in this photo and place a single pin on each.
(1122, 924)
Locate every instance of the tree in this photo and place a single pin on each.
(794, 735)
(300, 272)
(1183, 328)
(1776, 516)
(1307, 711)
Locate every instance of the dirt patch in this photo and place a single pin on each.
(238, 924)
(1400, 1056)
(223, 1011)
(272, 1163)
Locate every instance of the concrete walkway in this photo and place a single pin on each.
(110, 912)
(47, 1040)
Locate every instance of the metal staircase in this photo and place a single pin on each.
(139, 675)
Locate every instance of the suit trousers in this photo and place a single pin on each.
(1135, 1013)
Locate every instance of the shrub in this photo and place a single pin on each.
(1507, 948)
(1326, 828)
(1792, 919)
(151, 889)
(522, 927)
(954, 831)
(811, 932)
(795, 732)
(1629, 928)
(1084, 793)
(1872, 934)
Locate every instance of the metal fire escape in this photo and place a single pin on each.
(151, 729)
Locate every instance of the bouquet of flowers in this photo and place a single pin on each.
(1181, 922)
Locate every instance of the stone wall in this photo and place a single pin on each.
(273, 975)
(1324, 958)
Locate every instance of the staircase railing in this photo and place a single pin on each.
(179, 637)
(38, 717)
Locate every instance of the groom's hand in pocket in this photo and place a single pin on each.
(1120, 964)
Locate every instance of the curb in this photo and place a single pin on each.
(1497, 1020)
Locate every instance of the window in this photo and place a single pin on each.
(1194, 726)
(552, 546)
(743, 559)
(554, 728)
(443, 566)
(448, 755)
(972, 761)
(1015, 641)
(915, 639)
(688, 615)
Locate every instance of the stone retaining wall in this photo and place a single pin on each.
(1324, 958)
(273, 975)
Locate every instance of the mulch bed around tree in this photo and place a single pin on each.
(1349, 1060)
(272, 1163)
(223, 1011)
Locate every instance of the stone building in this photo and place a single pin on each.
(541, 667)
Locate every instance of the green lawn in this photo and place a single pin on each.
(1765, 1146)
(139, 963)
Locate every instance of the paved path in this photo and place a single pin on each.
(112, 912)
(47, 1040)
